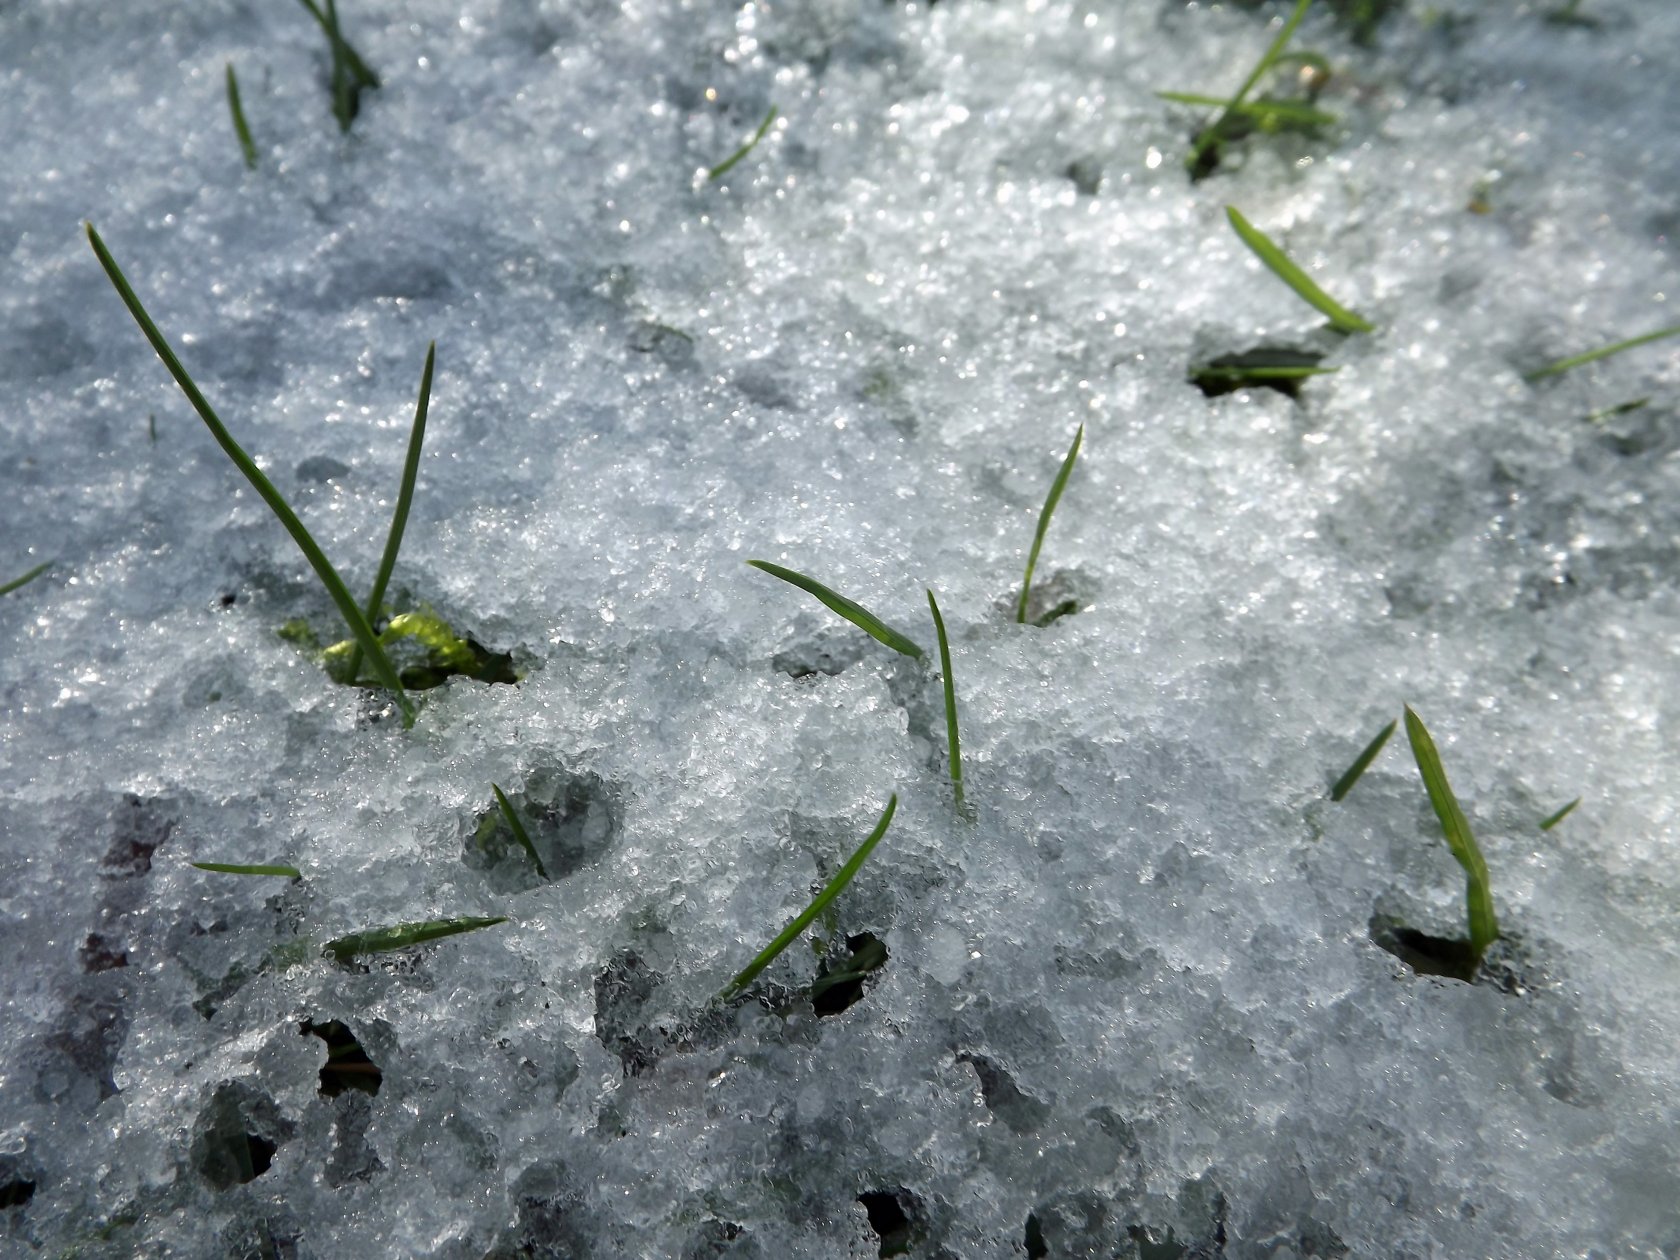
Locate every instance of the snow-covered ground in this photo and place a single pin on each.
(1136, 1006)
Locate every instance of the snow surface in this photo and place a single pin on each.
(1134, 1009)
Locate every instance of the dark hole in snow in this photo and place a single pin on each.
(839, 982)
(16, 1192)
(895, 1215)
(348, 1065)
(1033, 1239)
(1280, 368)
(101, 953)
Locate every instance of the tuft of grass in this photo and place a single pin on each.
(819, 903)
(312, 552)
(728, 164)
(518, 829)
(1204, 149)
(1552, 820)
(26, 579)
(950, 704)
(1055, 497)
(405, 498)
(247, 146)
(1603, 352)
(350, 74)
(402, 935)
(234, 868)
(1285, 269)
(1478, 896)
(852, 611)
(1361, 763)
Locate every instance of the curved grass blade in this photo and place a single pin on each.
(26, 579)
(1478, 896)
(350, 74)
(818, 904)
(1055, 497)
(405, 498)
(234, 868)
(1361, 763)
(518, 829)
(1265, 112)
(247, 146)
(1209, 135)
(1285, 269)
(402, 935)
(1552, 820)
(724, 167)
(853, 612)
(1603, 352)
(261, 484)
(950, 704)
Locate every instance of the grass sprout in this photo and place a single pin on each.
(1268, 113)
(402, 935)
(26, 579)
(1552, 820)
(1269, 367)
(1603, 352)
(819, 903)
(1055, 497)
(350, 74)
(1478, 896)
(234, 868)
(518, 829)
(241, 128)
(1282, 266)
(728, 164)
(340, 594)
(423, 646)
(852, 611)
(950, 704)
(1206, 144)
(1361, 763)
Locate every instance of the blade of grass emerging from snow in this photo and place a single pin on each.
(277, 504)
(1552, 820)
(853, 612)
(1478, 896)
(405, 497)
(518, 829)
(1350, 776)
(234, 868)
(26, 579)
(1055, 497)
(1285, 269)
(350, 74)
(402, 935)
(818, 904)
(728, 164)
(1603, 352)
(1267, 113)
(1209, 136)
(247, 146)
(950, 703)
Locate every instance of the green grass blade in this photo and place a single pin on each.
(405, 497)
(233, 868)
(1361, 763)
(950, 704)
(1552, 820)
(26, 579)
(518, 829)
(1290, 372)
(1264, 111)
(318, 561)
(402, 935)
(1056, 488)
(853, 612)
(724, 167)
(1478, 896)
(1603, 352)
(1209, 135)
(1282, 266)
(247, 146)
(791, 932)
(350, 74)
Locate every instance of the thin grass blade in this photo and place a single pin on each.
(1264, 111)
(235, 868)
(852, 611)
(1209, 135)
(1484, 927)
(791, 932)
(26, 579)
(728, 164)
(405, 498)
(1049, 510)
(1285, 269)
(402, 935)
(518, 829)
(1361, 763)
(1603, 352)
(1552, 820)
(277, 504)
(950, 704)
(247, 146)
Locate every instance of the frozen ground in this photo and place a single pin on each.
(1135, 1009)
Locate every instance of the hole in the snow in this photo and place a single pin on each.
(896, 1216)
(348, 1065)
(1270, 367)
(839, 982)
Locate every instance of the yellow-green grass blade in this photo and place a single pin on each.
(1049, 510)
(1361, 763)
(791, 932)
(1209, 135)
(950, 704)
(518, 829)
(728, 164)
(26, 579)
(1484, 927)
(277, 504)
(1603, 352)
(1264, 111)
(402, 935)
(852, 611)
(1285, 269)
(236, 868)
(1552, 820)
(241, 128)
